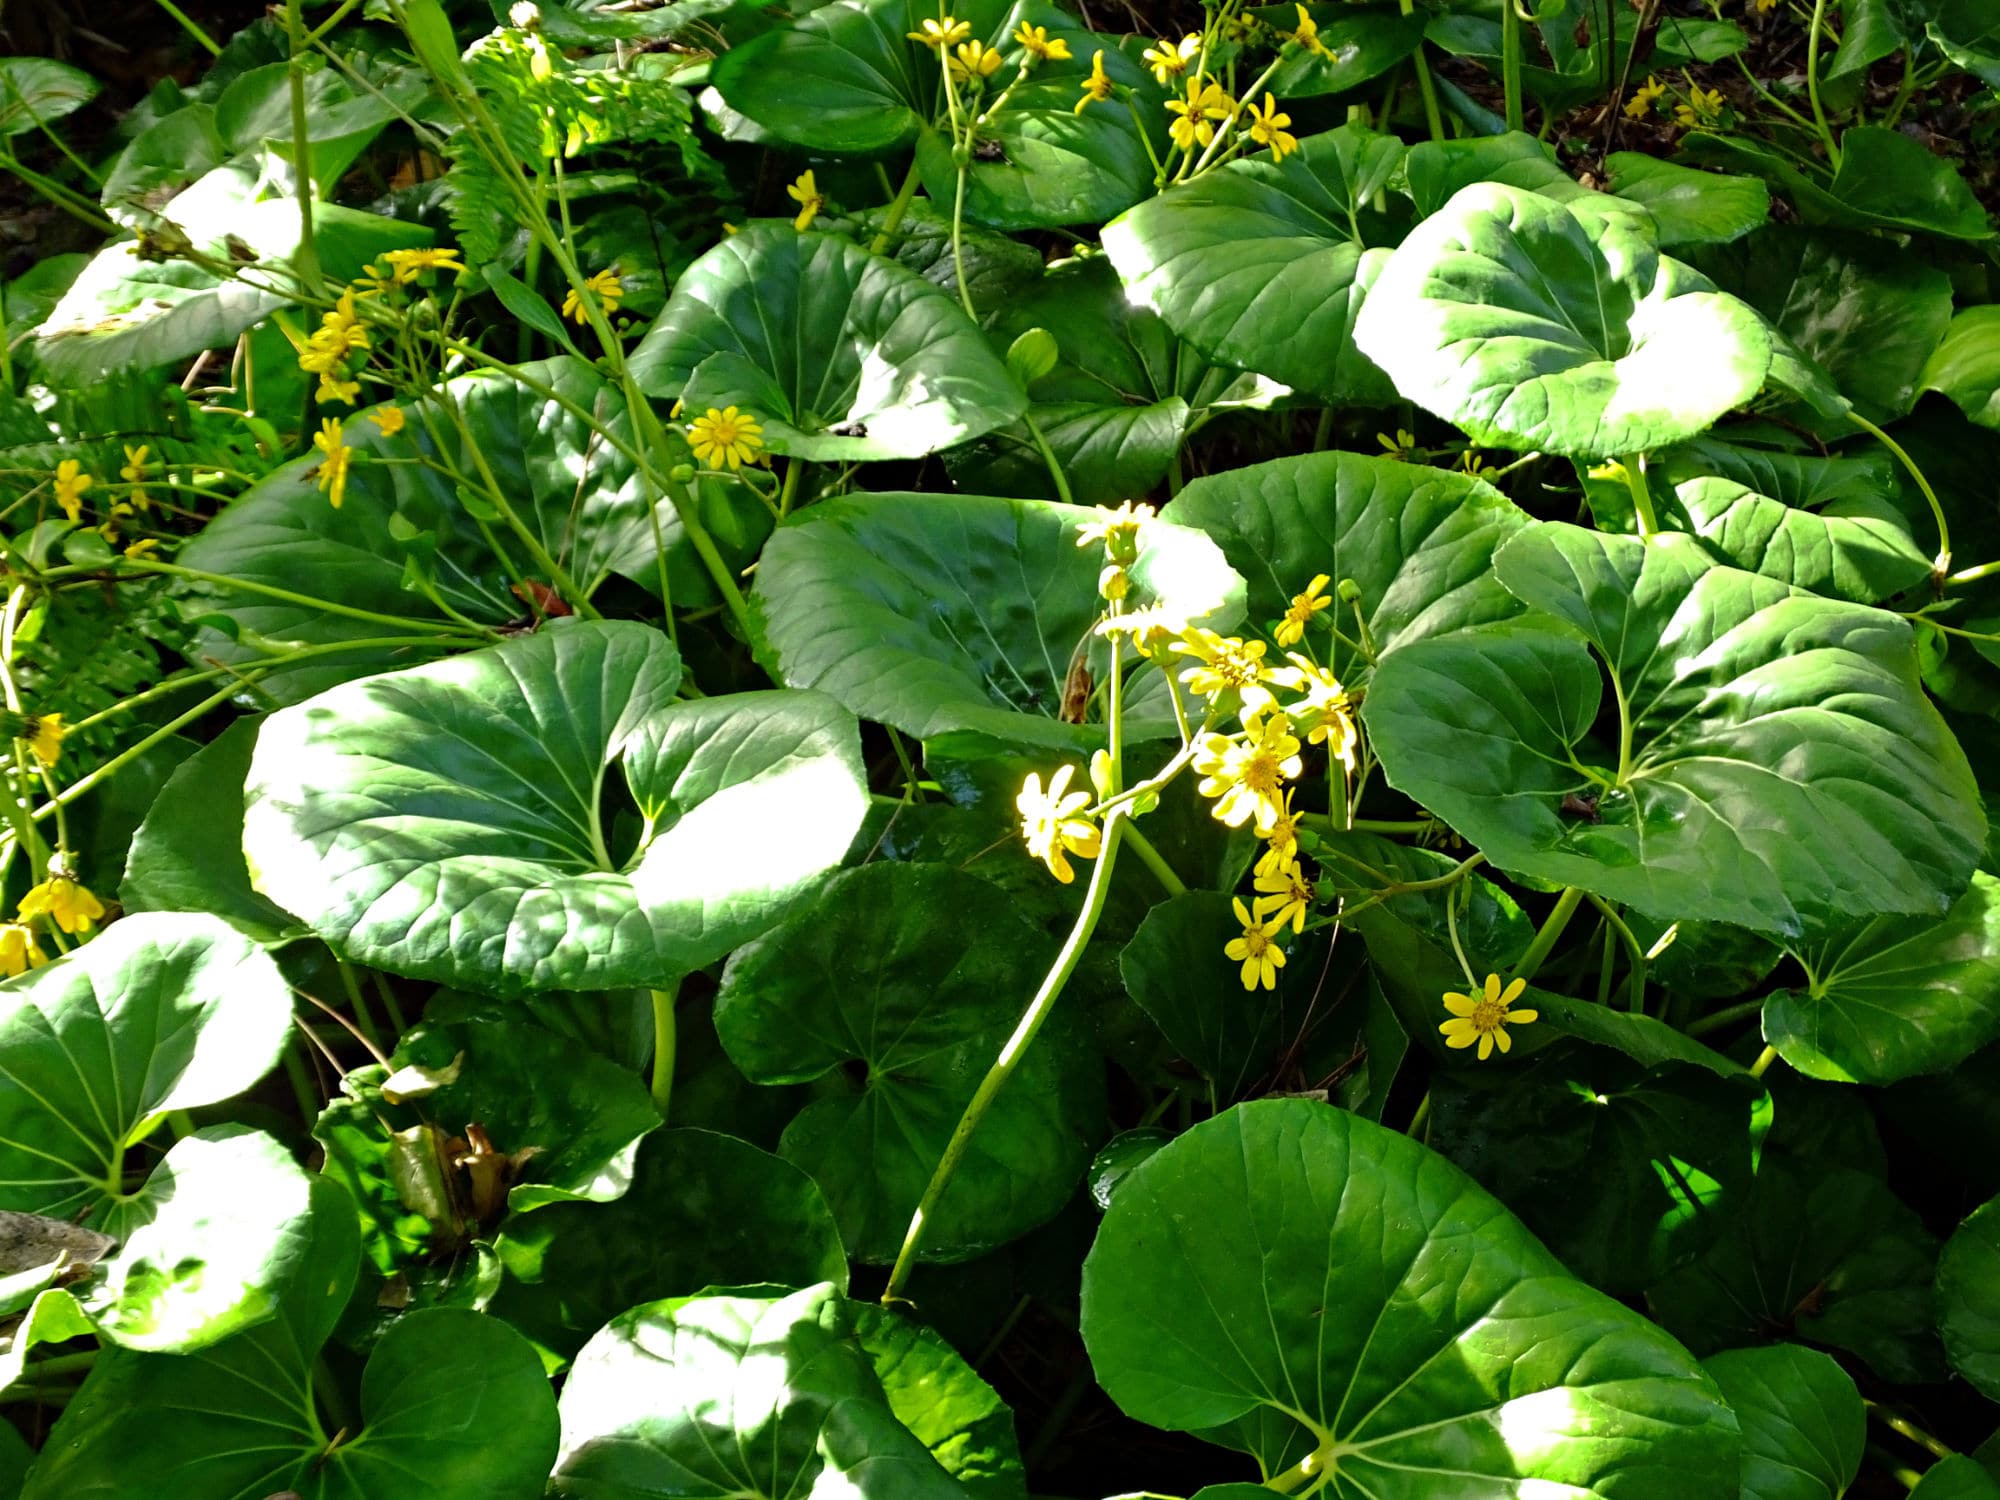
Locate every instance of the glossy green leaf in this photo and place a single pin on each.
(255, 110)
(1968, 1287)
(1805, 481)
(1689, 207)
(1315, 1281)
(448, 822)
(757, 1398)
(38, 91)
(1897, 181)
(1358, 42)
(1858, 550)
(1417, 542)
(842, 355)
(703, 1210)
(941, 1399)
(1625, 1172)
(1803, 1421)
(1439, 169)
(1968, 33)
(1965, 366)
(965, 616)
(452, 1403)
(1256, 263)
(898, 985)
(1825, 1254)
(1890, 998)
(1783, 766)
(1531, 325)
(1956, 1478)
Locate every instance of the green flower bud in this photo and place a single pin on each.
(1032, 355)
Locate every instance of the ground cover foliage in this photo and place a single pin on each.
(1001, 750)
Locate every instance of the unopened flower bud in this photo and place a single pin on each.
(681, 474)
(1349, 591)
(1114, 582)
(1032, 355)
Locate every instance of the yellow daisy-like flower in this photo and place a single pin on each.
(66, 902)
(1038, 44)
(138, 468)
(1306, 34)
(1703, 107)
(373, 282)
(728, 436)
(340, 331)
(973, 61)
(389, 419)
(1117, 529)
(1257, 950)
(1195, 115)
(408, 265)
(18, 950)
(44, 734)
(805, 192)
(1169, 60)
(1225, 664)
(71, 482)
(1153, 630)
(1325, 714)
(1643, 98)
(1267, 129)
(338, 460)
(1292, 629)
(1281, 840)
(1247, 776)
(333, 388)
(1097, 87)
(1402, 447)
(1050, 824)
(605, 285)
(1485, 1018)
(938, 35)
(1287, 895)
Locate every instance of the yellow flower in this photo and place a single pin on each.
(1763, 7)
(341, 330)
(1281, 840)
(1287, 897)
(44, 734)
(1097, 87)
(137, 470)
(71, 482)
(333, 388)
(1307, 34)
(605, 286)
(143, 548)
(973, 60)
(1485, 1019)
(1641, 103)
(1469, 462)
(938, 35)
(1169, 60)
(1225, 664)
(1257, 950)
(1153, 629)
(1402, 447)
(1248, 776)
(1267, 129)
(1205, 102)
(1035, 40)
(389, 418)
(1325, 714)
(1292, 629)
(65, 902)
(805, 192)
(1117, 529)
(1050, 824)
(726, 437)
(18, 950)
(1704, 107)
(339, 458)
(373, 282)
(408, 265)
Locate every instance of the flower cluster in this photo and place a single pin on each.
(337, 351)
(1204, 113)
(61, 901)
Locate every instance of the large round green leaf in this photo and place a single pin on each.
(1417, 542)
(1319, 1283)
(1803, 1421)
(933, 614)
(1529, 324)
(842, 355)
(940, 1398)
(1968, 1289)
(899, 984)
(1256, 263)
(449, 822)
(1784, 768)
(755, 1398)
(1689, 206)
(1860, 550)
(1890, 998)
(452, 1406)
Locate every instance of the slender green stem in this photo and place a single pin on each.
(1510, 63)
(958, 242)
(1763, 1063)
(1642, 495)
(1812, 82)
(327, 606)
(664, 1037)
(1153, 860)
(1048, 457)
(1728, 1016)
(1551, 932)
(1905, 1428)
(1016, 1048)
(1974, 575)
(1433, 117)
(1943, 564)
(898, 206)
(1421, 1118)
(305, 260)
(187, 24)
(1633, 951)
(1391, 825)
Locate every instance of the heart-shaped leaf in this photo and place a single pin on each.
(1890, 998)
(935, 618)
(38, 91)
(1417, 542)
(842, 355)
(1689, 207)
(1294, 1281)
(453, 1405)
(1529, 324)
(1779, 765)
(1968, 33)
(1803, 1422)
(450, 822)
(1956, 1478)
(1968, 1286)
(758, 1398)
(1894, 180)
(1256, 264)
(901, 983)
(1860, 550)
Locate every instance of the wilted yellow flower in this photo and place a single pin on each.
(1267, 129)
(728, 436)
(142, 549)
(1257, 950)
(1036, 41)
(1169, 60)
(44, 734)
(18, 950)
(1643, 98)
(1117, 529)
(1097, 87)
(71, 482)
(136, 471)
(1470, 462)
(1051, 825)
(1703, 107)
(1484, 1019)
(389, 418)
(1247, 776)
(64, 901)
(1292, 629)
(333, 388)
(938, 35)
(972, 61)
(1402, 447)
(334, 466)
(1325, 715)
(604, 285)
(805, 192)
